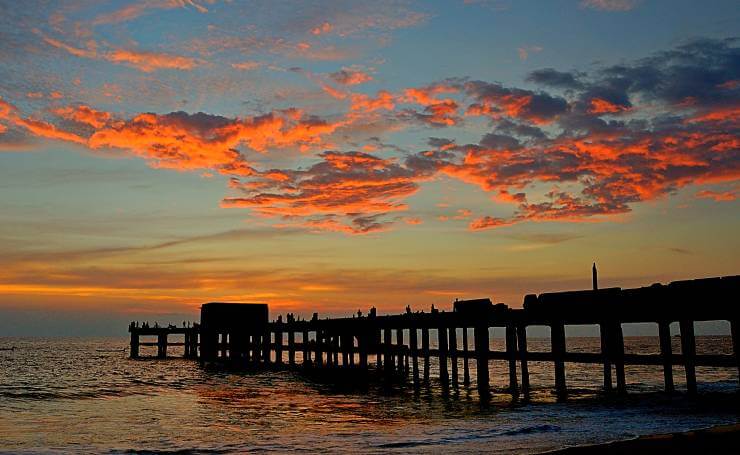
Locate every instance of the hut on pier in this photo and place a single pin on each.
(233, 331)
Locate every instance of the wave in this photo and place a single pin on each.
(41, 395)
(526, 430)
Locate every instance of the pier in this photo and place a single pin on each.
(189, 343)
(398, 346)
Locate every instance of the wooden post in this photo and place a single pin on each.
(522, 344)
(511, 353)
(362, 345)
(319, 357)
(264, 343)
(664, 332)
(414, 346)
(387, 353)
(453, 355)
(688, 349)
(480, 333)
(352, 349)
(399, 342)
(335, 349)
(162, 344)
(425, 351)
(605, 343)
(186, 344)
(344, 345)
(617, 350)
(306, 352)
(329, 349)
(194, 344)
(443, 372)
(291, 347)
(279, 344)
(557, 337)
(466, 366)
(735, 330)
(134, 351)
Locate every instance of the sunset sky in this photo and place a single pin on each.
(336, 155)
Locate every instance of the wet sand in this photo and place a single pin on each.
(723, 439)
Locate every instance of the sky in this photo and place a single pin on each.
(332, 156)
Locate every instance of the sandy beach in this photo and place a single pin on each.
(721, 439)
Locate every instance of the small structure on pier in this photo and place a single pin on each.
(232, 331)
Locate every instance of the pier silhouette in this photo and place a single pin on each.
(240, 335)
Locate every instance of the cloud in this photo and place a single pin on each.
(495, 101)
(36, 127)
(322, 29)
(135, 10)
(610, 5)
(553, 78)
(349, 76)
(524, 51)
(248, 65)
(150, 61)
(600, 106)
(145, 61)
(345, 191)
(587, 147)
(724, 196)
(85, 115)
(202, 141)
(488, 222)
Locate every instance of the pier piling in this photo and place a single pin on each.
(688, 350)
(664, 333)
(557, 336)
(511, 354)
(480, 333)
(522, 345)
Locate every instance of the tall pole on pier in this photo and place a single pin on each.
(595, 277)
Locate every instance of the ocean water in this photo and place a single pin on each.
(86, 396)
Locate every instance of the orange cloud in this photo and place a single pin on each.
(349, 76)
(601, 106)
(143, 60)
(151, 61)
(36, 127)
(725, 196)
(427, 95)
(247, 66)
(135, 10)
(201, 141)
(344, 192)
(49, 131)
(85, 115)
(728, 114)
(383, 100)
(488, 222)
(322, 29)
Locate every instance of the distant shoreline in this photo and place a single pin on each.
(721, 439)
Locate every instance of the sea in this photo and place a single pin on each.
(84, 395)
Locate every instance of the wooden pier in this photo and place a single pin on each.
(189, 343)
(398, 346)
